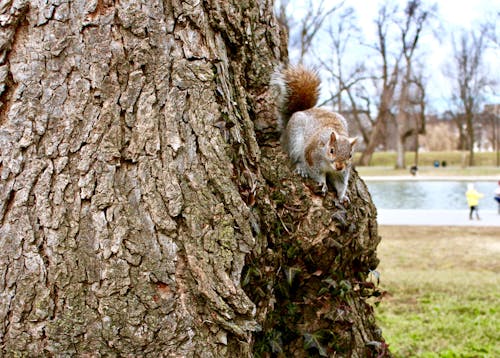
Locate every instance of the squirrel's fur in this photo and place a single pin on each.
(315, 138)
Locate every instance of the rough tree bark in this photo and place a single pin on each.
(145, 206)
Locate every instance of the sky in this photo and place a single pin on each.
(452, 15)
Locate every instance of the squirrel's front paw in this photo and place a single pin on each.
(324, 188)
(345, 200)
(301, 171)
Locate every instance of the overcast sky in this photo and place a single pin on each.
(452, 15)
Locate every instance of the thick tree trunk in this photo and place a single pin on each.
(140, 178)
(309, 278)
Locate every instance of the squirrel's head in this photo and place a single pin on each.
(340, 150)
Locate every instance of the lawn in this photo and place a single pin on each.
(429, 171)
(443, 291)
(426, 159)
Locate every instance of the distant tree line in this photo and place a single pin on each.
(383, 94)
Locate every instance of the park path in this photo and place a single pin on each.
(418, 217)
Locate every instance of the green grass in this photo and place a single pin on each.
(443, 291)
(452, 158)
(429, 171)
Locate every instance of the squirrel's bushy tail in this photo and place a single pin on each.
(299, 90)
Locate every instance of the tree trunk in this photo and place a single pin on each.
(140, 177)
(400, 152)
(377, 132)
(402, 120)
(462, 138)
(469, 117)
(384, 113)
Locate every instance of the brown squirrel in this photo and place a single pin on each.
(315, 138)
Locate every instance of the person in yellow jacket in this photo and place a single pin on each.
(473, 197)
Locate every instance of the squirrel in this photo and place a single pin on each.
(315, 138)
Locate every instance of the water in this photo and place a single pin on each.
(431, 195)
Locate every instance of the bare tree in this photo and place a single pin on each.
(285, 21)
(420, 102)
(490, 27)
(341, 31)
(491, 121)
(145, 206)
(415, 18)
(470, 79)
(389, 79)
(348, 94)
(310, 25)
(361, 114)
(492, 34)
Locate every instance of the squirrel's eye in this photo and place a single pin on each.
(332, 150)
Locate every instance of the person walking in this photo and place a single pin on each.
(473, 197)
(497, 196)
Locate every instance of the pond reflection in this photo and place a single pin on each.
(428, 194)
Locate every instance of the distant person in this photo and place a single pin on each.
(413, 170)
(443, 163)
(473, 197)
(436, 164)
(497, 196)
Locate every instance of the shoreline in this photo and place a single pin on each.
(436, 218)
(417, 177)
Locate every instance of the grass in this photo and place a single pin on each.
(443, 291)
(426, 159)
(429, 171)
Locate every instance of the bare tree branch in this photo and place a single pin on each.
(470, 78)
(311, 23)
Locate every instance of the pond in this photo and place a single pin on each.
(431, 195)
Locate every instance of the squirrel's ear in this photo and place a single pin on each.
(333, 138)
(353, 141)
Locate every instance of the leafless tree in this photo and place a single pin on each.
(470, 79)
(490, 27)
(283, 17)
(399, 86)
(418, 103)
(348, 77)
(416, 17)
(309, 26)
(390, 67)
(341, 31)
(490, 119)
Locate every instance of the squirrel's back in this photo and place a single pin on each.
(299, 90)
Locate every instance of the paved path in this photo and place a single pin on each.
(418, 217)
